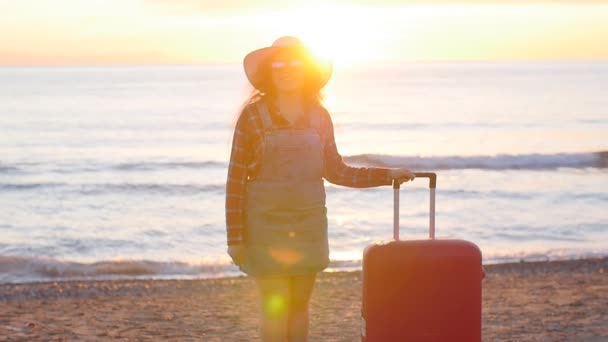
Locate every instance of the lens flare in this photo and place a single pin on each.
(275, 306)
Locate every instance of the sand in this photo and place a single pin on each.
(539, 301)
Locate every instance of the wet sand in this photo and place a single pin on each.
(532, 301)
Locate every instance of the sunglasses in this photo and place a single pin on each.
(280, 65)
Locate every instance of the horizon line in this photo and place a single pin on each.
(389, 62)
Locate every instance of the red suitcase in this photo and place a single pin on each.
(421, 290)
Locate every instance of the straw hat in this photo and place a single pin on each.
(254, 59)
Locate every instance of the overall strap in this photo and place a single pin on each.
(265, 114)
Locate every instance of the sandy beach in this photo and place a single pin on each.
(531, 301)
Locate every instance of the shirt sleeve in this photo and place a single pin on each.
(338, 172)
(235, 184)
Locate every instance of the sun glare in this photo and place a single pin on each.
(340, 33)
(351, 35)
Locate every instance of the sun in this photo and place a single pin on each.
(341, 33)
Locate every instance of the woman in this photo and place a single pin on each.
(283, 147)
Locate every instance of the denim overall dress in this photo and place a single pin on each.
(285, 213)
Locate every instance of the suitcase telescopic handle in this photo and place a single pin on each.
(432, 186)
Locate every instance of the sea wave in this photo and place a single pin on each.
(99, 188)
(151, 165)
(86, 166)
(497, 162)
(18, 269)
(492, 162)
(23, 269)
(5, 169)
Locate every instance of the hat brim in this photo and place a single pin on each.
(254, 59)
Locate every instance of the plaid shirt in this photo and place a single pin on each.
(246, 154)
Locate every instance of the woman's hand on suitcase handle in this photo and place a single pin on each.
(402, 175)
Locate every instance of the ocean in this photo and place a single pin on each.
(119, 171)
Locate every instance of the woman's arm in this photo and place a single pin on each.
(338, 172)
(235, 184)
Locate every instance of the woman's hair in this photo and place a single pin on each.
(310, 91)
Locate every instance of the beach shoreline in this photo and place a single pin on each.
(564, 300)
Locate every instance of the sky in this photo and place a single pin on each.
(351, 32)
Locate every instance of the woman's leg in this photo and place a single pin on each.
(275, 296)
(301, 290)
